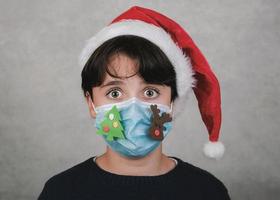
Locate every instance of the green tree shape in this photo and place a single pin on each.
(111, 125)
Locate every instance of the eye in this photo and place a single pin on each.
(151, 92)
(114, 93)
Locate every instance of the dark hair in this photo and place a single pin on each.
(153, 65)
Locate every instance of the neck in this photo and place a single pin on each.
(153, 164)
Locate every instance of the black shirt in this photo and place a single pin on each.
(87, 181)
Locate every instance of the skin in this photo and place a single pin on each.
(115, 90)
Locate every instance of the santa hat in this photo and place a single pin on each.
(192, 69)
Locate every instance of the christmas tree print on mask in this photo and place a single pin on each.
(111, 126)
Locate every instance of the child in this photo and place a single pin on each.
(136, 74)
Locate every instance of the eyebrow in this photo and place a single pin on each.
(115, 82)
(112, 83)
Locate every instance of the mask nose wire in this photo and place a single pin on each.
(133, 99)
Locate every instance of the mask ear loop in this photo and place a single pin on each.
(171, 109)
(91, 103)
(93, 107)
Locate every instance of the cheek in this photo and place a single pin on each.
(165, 96)
(99, 97)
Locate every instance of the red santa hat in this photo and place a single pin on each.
(192, 69)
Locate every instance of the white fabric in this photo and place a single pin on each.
(180, 61)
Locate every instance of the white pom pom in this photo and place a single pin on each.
(214, 150)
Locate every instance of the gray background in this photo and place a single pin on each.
(45, 126)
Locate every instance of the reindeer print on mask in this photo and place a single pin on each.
(156, 129)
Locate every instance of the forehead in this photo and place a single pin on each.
(125, 71)
(122, 66)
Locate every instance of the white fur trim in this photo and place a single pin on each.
(214, 149)
(181, 62)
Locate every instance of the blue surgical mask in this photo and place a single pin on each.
(136, 121)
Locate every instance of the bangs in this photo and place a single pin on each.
(151, 63)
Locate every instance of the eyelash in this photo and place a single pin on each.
(153, 89)
(120, 90)
(113, 89)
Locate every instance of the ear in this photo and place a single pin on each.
(90, 106)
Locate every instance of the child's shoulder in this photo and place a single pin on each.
(191, 170)
(198, 176)
(67, 182)
(201, 181)
(76, 172)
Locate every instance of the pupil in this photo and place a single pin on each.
(150, 93)
(115, 94)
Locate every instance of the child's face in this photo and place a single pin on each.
(114, 90)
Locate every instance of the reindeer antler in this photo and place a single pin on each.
(156, 129)
(165, 118)
(155, 111)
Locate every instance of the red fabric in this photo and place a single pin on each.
(207, 90)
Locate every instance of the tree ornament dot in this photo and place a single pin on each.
(115, 124)
(106, 128)
(111, 116)
(157, 132)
